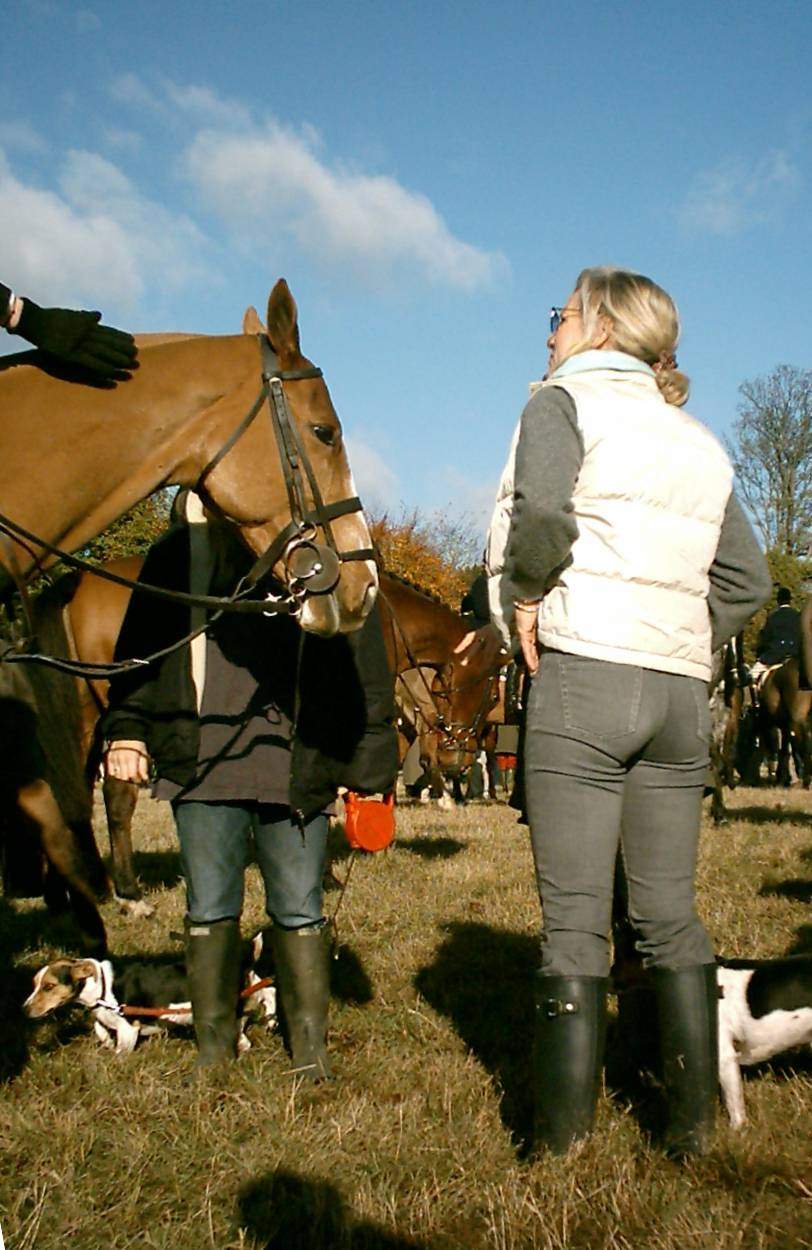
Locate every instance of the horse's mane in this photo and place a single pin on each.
(421, 590)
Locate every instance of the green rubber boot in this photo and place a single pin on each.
(302, 958)
(213, 967)
(567, 1058)
(687, 1008)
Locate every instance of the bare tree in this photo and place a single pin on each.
(772, 455)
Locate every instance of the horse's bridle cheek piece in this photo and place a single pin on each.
(310, 566)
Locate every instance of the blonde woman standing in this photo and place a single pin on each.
(620, 559)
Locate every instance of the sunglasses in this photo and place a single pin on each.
(557, 316)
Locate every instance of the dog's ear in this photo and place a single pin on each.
(81, 969)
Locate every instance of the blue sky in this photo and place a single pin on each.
(429, 177)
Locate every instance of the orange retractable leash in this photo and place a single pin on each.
(369, 823)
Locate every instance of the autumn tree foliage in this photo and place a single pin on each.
(440, 553)
(133, 533)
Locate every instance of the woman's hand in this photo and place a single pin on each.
(127, 760)
(527, 617)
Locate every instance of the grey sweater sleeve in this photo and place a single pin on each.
(740, 579)
(549, 456)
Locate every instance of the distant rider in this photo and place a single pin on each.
(780, 637)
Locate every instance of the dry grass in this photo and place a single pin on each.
(418, 1142)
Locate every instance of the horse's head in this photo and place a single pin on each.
(270, 476)
(465, 690)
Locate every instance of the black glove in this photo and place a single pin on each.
(78, 338)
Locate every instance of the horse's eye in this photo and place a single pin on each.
(326, 434)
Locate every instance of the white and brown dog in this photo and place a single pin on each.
(765, 1008)
(142, 998)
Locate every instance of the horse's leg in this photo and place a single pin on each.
(783, 776)
(120, 798)
(715, 785)
(62, 848)
(493, 774)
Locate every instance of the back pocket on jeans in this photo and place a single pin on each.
(599, 699)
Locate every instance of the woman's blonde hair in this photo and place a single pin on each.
(644, 323)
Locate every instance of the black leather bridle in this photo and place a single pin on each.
(311, 567)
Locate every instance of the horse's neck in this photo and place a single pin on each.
(76, 458)
(430, 630)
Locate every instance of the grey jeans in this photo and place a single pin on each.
(615, 755)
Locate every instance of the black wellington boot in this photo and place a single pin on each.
(687, 1007)
(302, 964)
(567, 1057)
(213, 955)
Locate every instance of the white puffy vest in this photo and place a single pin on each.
(649, 503)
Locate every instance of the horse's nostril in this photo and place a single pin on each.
(370, 595)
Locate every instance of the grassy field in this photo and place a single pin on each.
(418, 1143)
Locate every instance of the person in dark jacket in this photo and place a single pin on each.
(780, 637)
(70, 335)
(249, 732)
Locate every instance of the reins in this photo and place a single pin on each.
(451, 734)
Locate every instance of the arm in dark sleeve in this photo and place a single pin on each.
(374, 764)
(5, 300)
(549, 456)
(740, 579)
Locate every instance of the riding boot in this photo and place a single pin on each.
(302, 958)
(567, 1057)
(687, 1007)
(213, 957)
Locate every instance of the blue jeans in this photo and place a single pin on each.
(216, 841)
(615, 755)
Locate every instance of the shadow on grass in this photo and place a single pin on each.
(431, 848)
(769, 816)
(796, 888)
(482, 981)
(281, 1211)
(802, 944)
(157, 869)
(349, 982)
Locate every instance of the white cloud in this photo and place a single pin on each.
(272, 179)
(376, 483)
(121, 139)
(95, 240)
(206, 106)
(22, 137)
(471, 498)
(740, 194)
(131, 90)
(259, 178)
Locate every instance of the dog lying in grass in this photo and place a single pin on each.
(765, 1008)
(142, 998)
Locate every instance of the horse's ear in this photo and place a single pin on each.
(251, 323)
(283, 328)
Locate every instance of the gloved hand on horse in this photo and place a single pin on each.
(78, 338)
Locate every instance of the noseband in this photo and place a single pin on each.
(311, 567)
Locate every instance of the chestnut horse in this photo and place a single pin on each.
(783, 721)
(77, 456)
